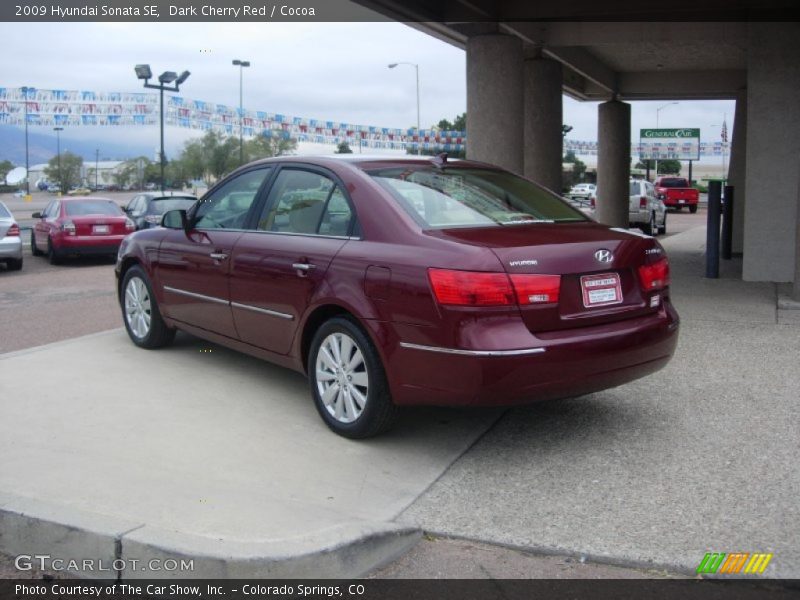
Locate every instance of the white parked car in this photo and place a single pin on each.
(582, 191)
(646, 210)
(10, 241)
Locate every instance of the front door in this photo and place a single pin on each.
(194, 267)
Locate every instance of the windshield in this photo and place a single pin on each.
(444, 198)
(674, 182)
(161, 205)
(92, 207)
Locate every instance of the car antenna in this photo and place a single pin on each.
(440, 160)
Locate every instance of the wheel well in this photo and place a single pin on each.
(126, 264)
(314, 321)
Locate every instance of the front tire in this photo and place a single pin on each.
(140, 312)
(348, 382)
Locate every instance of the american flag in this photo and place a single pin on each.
(724, 134)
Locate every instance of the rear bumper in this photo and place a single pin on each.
(11, 247)
(87, 245)
(554, 365)
(673, 202)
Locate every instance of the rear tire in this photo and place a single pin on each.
(348, 382)
(140, 311)
(650, 227)
(34, 248)
(52, 254)
(14, 264)
(693, 208)
(663, 229)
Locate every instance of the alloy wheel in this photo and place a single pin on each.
(341, 377)
(138, 311)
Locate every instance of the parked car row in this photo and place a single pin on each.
(646, 210)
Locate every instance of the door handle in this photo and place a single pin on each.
(303, 266)
(218, 255)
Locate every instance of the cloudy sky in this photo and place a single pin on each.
(330, 71)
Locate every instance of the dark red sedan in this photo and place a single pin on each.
(79, 226)
(396, 282)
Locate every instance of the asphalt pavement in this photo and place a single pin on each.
(196, 451)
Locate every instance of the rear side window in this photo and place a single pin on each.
(306, 202)
(443, 198)
(634, 188)
(674, 182)
(92, 207)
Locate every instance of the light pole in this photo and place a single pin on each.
(241, 64)
(416, 67)
(96, 166)
(58, 131)
(658, 110)
(723, 136)
(144, 72)
(27, 162)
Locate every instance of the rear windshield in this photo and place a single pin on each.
(161, 205)
(674, 182)
(443, 198)
(4, 212)
(92, 207)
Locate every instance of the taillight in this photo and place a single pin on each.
(536, 289)
(68, 227)
(654, 276)
(469, 288)
(153, 219)
(591, 201)
(643, 202)
(13, 231)
(130, 225)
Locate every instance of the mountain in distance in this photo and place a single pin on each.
(42, 147)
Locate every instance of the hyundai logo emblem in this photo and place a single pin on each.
(604, 256)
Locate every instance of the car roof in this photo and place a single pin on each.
(372, 160)
(161, 195)
(79, 198)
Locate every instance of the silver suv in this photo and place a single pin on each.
(645, 210)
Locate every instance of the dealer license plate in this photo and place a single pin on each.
(601, 290)
(100, 229)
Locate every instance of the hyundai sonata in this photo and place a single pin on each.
(394, 282)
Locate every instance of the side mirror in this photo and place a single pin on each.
(37, 215)
(175, 219)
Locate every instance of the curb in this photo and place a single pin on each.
(30, 527)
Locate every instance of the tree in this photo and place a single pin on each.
(565, 129)
(669, 167)
(263, 146)
(343, 148)
(5, 167)
(69, 173)
(578, 169)
(458, 124)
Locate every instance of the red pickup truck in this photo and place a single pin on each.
(676, 193)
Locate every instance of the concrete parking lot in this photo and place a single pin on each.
(199, 451)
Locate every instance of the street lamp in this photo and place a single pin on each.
(416, 66)
(723, 139)
(27, 163)
(658, 110)
(144, 72)
(58, 131)
(241, 64)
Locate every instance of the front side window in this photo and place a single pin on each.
(443, 198)
(227, 207)
(306, 202)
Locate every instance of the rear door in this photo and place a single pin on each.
(278, 267)
(194, 267)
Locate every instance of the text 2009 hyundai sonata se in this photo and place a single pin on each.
(403, 281)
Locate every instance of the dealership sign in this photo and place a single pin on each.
(660, 144)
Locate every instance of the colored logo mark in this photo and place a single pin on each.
(734, 563)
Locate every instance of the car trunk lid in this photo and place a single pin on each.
(598, 268)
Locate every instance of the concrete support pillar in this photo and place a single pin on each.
(772, 176)
(494, 100)
(613, 163)
(736, 169)
(542, 122)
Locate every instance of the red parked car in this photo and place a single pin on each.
(395, 282)
(79, 226)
